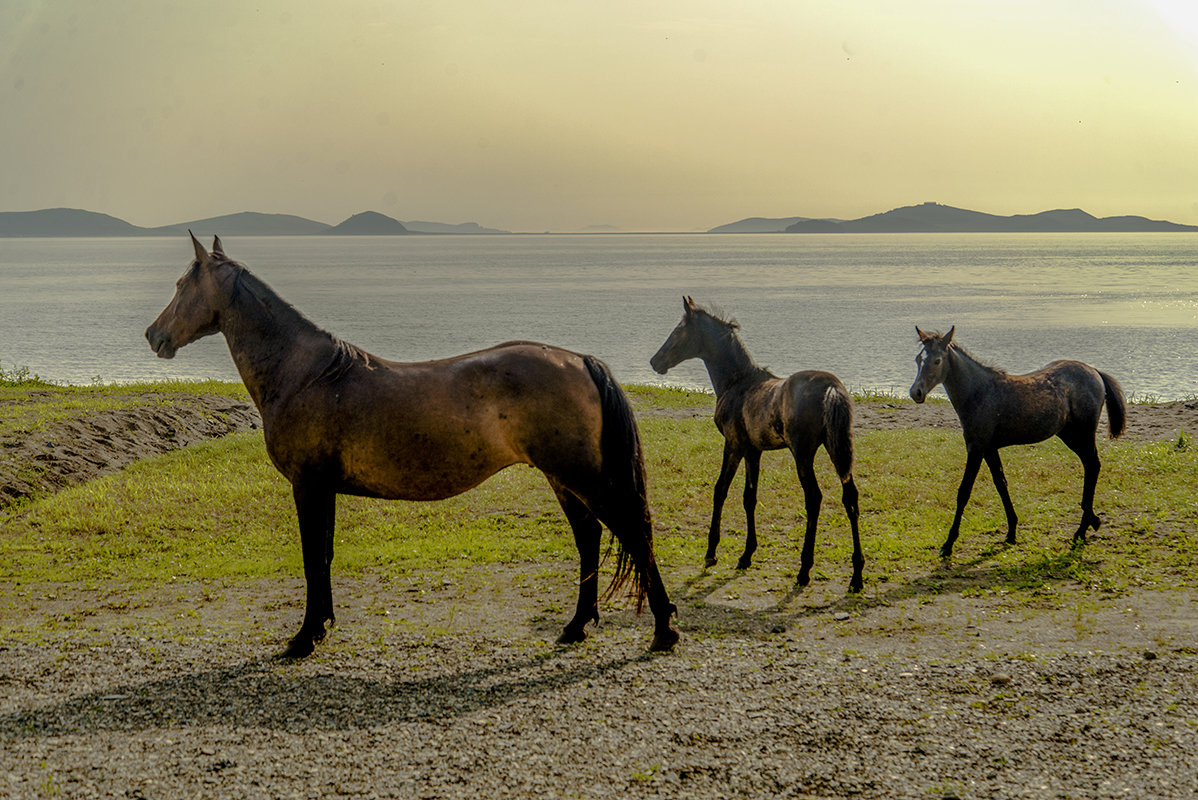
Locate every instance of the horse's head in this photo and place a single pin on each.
(200, 295)
(688, 339)
(932, 362)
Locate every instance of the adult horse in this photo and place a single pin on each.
(756, 410)
(338, 420)
(1063, 399)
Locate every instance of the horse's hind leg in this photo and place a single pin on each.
(1087, 451)
(752, 470)
(849, 496)
(316, 508)
(812, 498)
(1000, 483)
(727, 472)
(973, 461)
(587, 536)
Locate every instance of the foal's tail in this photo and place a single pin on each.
(1116, 406)
(624, 496)
(838, 426)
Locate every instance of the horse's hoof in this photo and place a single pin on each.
(663, 642)
(946, 552)
(710, 561)
(804, 579)
(297, 648)
(855, 587)
(572, 635)
(1079, 540)
(744, 563)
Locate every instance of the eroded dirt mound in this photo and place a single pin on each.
(80, 449)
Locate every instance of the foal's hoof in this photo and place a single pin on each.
(744, 563)
(664, 641)
(856, 586)
(946, 552)
(710, 561)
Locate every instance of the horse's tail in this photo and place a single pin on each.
(625, 498)
(1116, 406)
(838, 425)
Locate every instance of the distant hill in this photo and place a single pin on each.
(420, 226)
(368, 223)
(247, 223)
(937, 218)
(758, 225)
(64, 222)
(68, 222)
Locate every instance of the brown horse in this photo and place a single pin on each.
(756, 410)
(1063, 399)
(338, 420)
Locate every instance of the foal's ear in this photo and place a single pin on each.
(217, 247)
(923, 337)
(201, 253)
(688, 304)
(948, 337)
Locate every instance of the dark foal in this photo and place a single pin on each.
(756, 411)
(1063, 399)
(338, 420)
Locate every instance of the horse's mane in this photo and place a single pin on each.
(345, 355)
(976, 360)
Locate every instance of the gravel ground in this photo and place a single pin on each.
(451, 687)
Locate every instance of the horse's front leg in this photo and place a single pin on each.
(728, 468)
(973, 461)
(752, 469)
(1000, 483)
(316, 508)
(812, 498)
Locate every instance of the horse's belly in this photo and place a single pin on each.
(423, 472)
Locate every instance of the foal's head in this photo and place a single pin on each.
(932, 362)
(693, 337)
(200, 295)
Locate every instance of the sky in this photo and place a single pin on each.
(557, 115)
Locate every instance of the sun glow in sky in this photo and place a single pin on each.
(548, 115)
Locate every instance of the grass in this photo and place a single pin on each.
(219, 511)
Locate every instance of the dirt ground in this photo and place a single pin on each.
(449, 685)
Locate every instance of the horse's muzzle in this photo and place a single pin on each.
(160, 344)
(918, 394)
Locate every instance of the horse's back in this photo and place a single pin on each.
(434, 429)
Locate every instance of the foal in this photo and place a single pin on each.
(1063, 399)
(755, 411)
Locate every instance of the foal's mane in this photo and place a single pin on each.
(960, 349)
(732, 330)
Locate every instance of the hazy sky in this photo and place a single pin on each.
(558, 114)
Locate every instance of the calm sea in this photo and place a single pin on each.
(74, 310)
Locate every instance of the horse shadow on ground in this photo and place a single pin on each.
(303, 703)
(981, 573)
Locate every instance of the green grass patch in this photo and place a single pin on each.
(219, 511)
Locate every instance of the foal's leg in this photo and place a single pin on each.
(1000, 483)
(973, 460)
(752, 469)
(588, 534)
(812, 498)
(316, 508)
(1087, 451)
(848, 496)
(727, 473)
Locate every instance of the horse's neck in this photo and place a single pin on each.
(276, 348)
(967, 378)
(727, 361)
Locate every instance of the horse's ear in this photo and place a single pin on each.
(688, 304)
(217, 247)
(948, 337)
(201, 253)
(923, 337)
